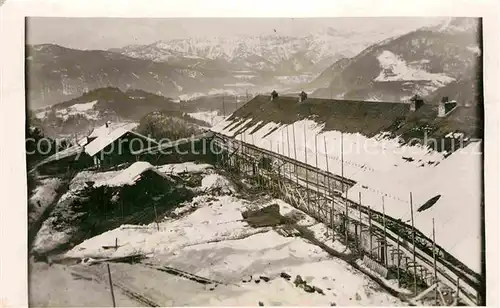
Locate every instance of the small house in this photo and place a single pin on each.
(108, 146)
(105, 146)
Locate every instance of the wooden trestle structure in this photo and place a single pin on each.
(399, 248)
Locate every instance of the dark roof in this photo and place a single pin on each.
(367, 118)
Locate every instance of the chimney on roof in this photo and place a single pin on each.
(274, 95)
(416, 102)
(302, 96)
(108, 124)
(446, 106)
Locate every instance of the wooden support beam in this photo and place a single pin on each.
(413, 237)
(370, 229)
(434, 254)
(346, 220)
(329, 188)
(360, 223)
(288, 141)
(399, 264)
(415, 265)
(295, 152)
(424, 293)
(443, 301)
(386, 262)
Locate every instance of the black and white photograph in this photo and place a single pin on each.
(255, 161)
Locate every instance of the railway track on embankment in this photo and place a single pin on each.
(458, 279)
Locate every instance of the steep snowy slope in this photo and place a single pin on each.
(419, 62)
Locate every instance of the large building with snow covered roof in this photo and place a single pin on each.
(388, 150)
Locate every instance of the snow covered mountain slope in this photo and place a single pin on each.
(385, 154)
(56, 74)
(99, 106)
(419, 62)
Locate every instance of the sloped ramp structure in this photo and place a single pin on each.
(387, 151)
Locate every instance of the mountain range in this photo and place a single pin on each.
(70, 89)
(286, 55)
(191, 67)
(419, 62)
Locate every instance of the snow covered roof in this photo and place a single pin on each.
(104, 136)
(363, 117)
(368, 118)
(130, 175)
(102, 141)
(103, 130)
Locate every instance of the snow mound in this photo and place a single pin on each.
(187, 167)
(218, 221)
(79, 181)
(216, 182)
(130, 175)
(42, 197)
(48, 238)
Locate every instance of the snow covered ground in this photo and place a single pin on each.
(209, 238)
(383, 168)
(394, 69)
(83, 109)
(211, 117)
(187, 167)
(55, 286)
(43, 196)
(47, 238)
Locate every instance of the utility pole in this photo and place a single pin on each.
(288, 142)
(343, 190)
(342, 159)
(295, 152)
(307, 173)
(111, 285)
(332, 210)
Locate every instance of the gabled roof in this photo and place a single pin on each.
(103, 130)
(105, 136)
(103, 141)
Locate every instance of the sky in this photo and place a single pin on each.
(105, 33)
